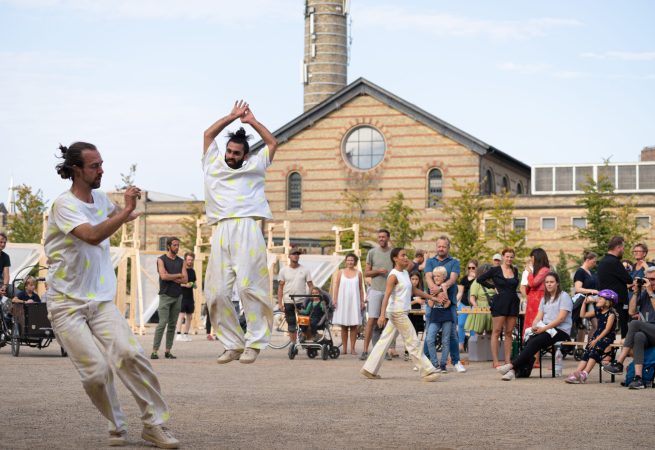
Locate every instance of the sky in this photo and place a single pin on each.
(548, 82)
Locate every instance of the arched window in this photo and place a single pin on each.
(435, 188)
(505, 184)
(364, 148)
(488, 183)
(519, 188)
(294, 191)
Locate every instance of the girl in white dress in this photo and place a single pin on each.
(348, 302)
(397, 300)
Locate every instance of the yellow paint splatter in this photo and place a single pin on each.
(87, 264)
(240, 198)
(165, 416)
(91, 295)
(61, 274)
(102, 279)
(252, 317)
(85, 360)
(100, 212)
(227, 312)
(245, 282)
(231, 182)
(68, 241)
(263, 271)
(132, 341)
(252, 252)
(71, 311)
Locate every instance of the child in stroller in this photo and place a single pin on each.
(315, 312)
(315, 316)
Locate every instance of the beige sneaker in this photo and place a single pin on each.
(369, 375)
(229, 355)
(434, 376)
(117, 438)
(160, 436)
(249, 356)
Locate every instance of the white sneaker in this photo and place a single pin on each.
(179, 337)
(186, 338)
(160, 436)
(117, 438)
(459, 367)
(509, 376)
(229, 355)
(249, 355)
(415, 369)
(504, 368)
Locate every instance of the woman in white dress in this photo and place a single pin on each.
(348, 302)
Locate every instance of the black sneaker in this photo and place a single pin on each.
(615, 368)
(154, 355)
(169, 355)
(637, 383)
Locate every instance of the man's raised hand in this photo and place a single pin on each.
(131, 195)
(248, 117)
(239, 109)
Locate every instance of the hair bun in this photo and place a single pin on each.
(63, 149)
(240, 133)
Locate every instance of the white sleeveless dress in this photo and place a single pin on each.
(348, 301)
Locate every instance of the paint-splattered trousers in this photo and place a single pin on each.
(238, 255)
(76, 323)
(398, 323)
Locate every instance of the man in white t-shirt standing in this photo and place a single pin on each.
(235, 199)
(81, 290)
(294, 279)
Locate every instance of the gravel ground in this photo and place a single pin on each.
(279, 403)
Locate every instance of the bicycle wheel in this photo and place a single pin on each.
(280, 331)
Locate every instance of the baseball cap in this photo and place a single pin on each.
(498, 257)
(295, 251)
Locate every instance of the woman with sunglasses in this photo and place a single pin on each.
(463, 289)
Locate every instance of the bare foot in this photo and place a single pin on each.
(354, 353)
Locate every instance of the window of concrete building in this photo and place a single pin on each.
(162, 243)
(435, 188)
(490, 227)
(519, 188)
(488, 183)
(294, 191)
(364, 148)
(563, 179)
(643, 222)
(582, 177)
(548, 223)
(505, 184)
(579, 222)
(608, 172)
(520, 223)
(627, 177)
(646, 176)
(543, 179)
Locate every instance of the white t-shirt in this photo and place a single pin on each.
(76, 269)
(231, 193)
(295, 281)
(401, 296)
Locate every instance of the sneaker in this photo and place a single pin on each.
(415, 369)
(369, 375)
(614, 368)
(169, 355)
(249, 355)
(210, 337)
(504, 368)
(459, 367)
(154, 355)
(387, 357)
(434, 376)
(117, 438)
(179, 337)
(637, 383)
(160, 436)
(186, 338)
(229, 355)
(406, 357)
(364, 356)
(583, 377)
(442, 369)
(509, 376)
(574, 378)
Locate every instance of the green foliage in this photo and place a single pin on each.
(463, 222)
(402, 221)
(504, 234)
(27, 225)
(562, 269)
(605, 218)
(188, 239)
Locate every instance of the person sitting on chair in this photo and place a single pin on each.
(28, 295)
(316, 311)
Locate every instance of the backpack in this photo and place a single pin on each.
(648, 373)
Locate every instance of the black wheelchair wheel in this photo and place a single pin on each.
(15, 341)
(577, 354)
(311, 353)
(324, 353)
(293, 351)
(334, 352)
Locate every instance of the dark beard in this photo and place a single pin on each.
(232, 164)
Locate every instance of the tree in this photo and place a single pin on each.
(27, 225)
(188, 239)
(562, 269)
(504, 233)
(604, 217)
(355, 202)
(402, 221)
(463, 222)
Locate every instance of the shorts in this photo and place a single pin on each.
(188, 306)
(290, 315)
(374, 299)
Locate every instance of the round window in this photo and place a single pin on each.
(364, 148)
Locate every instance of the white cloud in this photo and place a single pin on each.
(396, 18)
(221, 11)
(621, 56)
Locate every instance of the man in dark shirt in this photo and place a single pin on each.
(5, 263)
(612, 275)
(188, 303)
(172, 275)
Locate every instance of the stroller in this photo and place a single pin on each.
(321, 343)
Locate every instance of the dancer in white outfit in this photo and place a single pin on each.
(348, 302)
(397, 302)
(81, 290)
(235, 198)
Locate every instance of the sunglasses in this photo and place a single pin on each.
(472, 268)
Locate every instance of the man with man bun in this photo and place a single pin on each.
(81, 290)
(235, 199)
